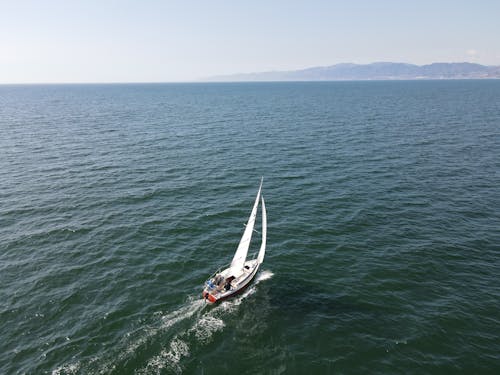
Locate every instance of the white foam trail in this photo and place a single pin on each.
(171, 358)
(168, 321)
(70, 368)
(201, 331)
(205, 327)
(183, 313)
(264, 275)
(134, 340)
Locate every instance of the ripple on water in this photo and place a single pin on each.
(117, 201)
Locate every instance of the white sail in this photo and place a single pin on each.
(242, 250)
(262, 251)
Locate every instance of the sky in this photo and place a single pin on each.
(170, 40)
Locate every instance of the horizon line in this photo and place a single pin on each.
(213, 78)
(246, 81)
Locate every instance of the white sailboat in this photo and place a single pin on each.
(241, 271)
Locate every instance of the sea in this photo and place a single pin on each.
(118, 201)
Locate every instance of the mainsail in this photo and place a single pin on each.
(242, 250)
(262, 251)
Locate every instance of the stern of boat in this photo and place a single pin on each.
(209, 297)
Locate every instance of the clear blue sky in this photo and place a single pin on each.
(170, 40)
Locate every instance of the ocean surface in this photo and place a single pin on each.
(118, 201)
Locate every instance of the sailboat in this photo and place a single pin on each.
(240, 273)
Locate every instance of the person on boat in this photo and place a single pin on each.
(218, 280)
(228, 285)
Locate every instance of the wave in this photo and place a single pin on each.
(202, 321)
(200, 332)
(69, 368)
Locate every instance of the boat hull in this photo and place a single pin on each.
(212, 299)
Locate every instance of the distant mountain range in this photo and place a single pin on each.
(374, 71)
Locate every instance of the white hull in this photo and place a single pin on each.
(224, 290)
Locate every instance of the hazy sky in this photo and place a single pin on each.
(170, 40)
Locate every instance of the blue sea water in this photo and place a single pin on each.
(383, 199)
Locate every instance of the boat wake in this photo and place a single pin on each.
(264, 275)
(191, 325)
(199, 333)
